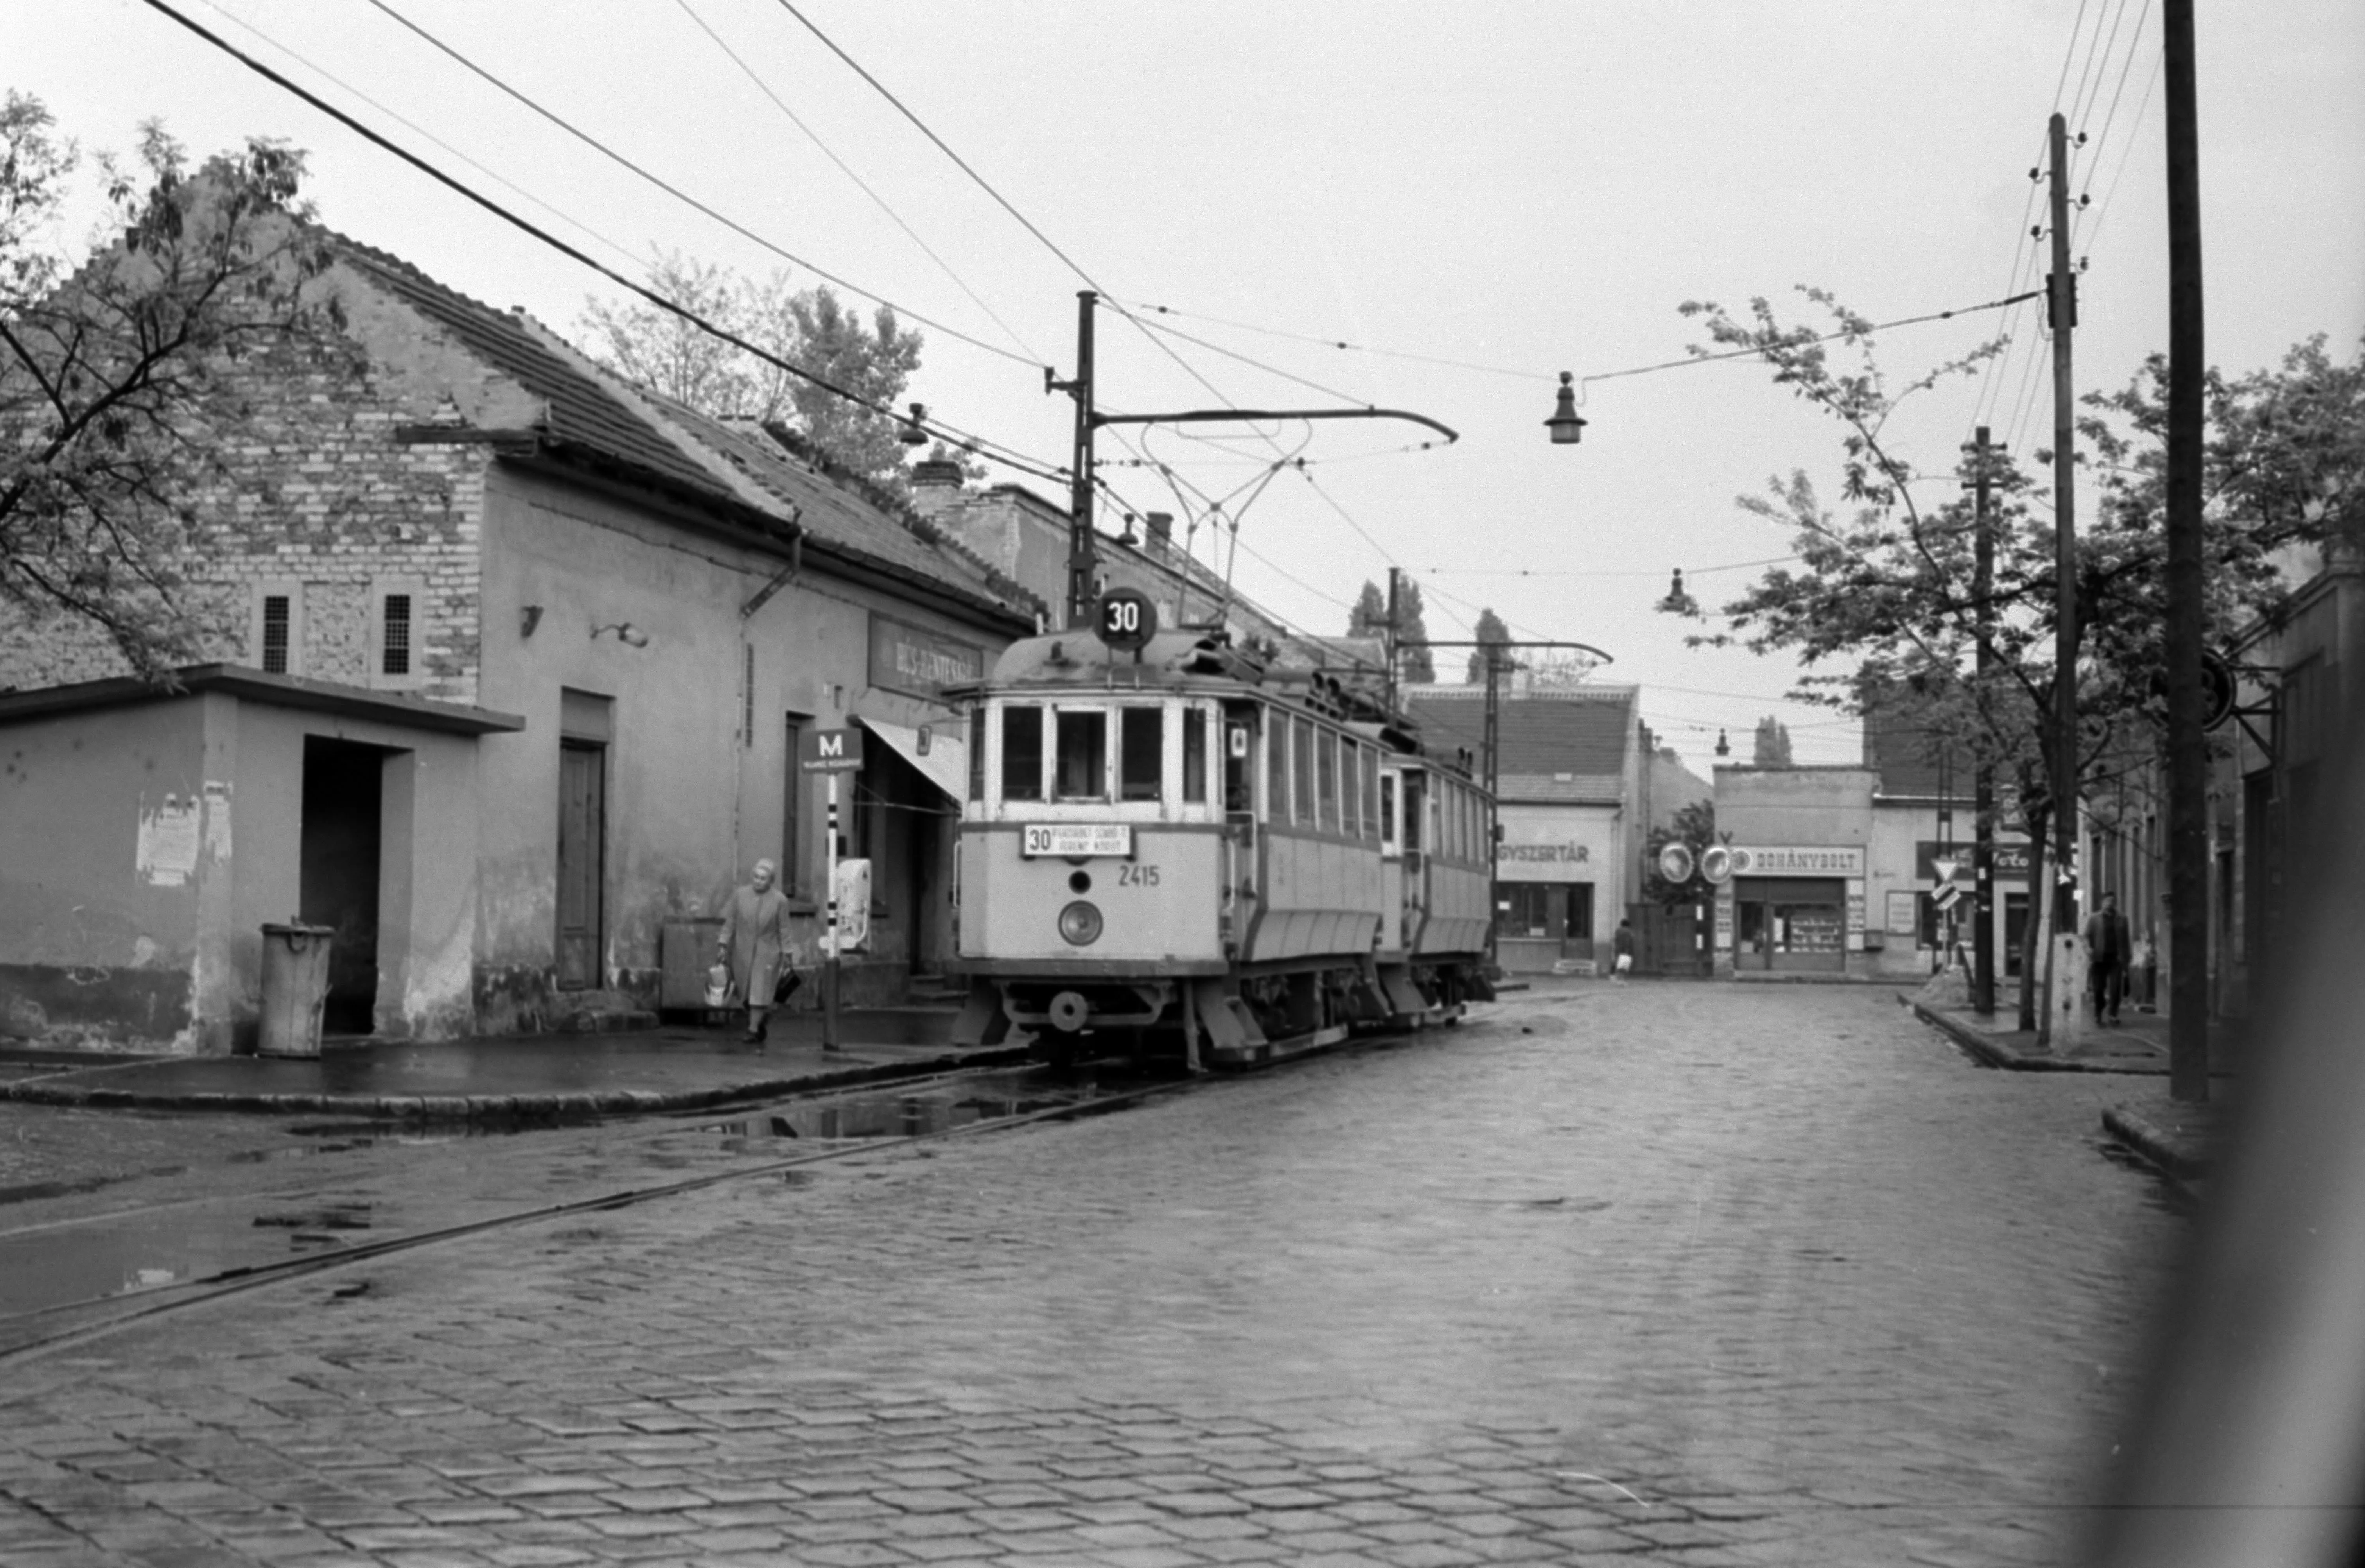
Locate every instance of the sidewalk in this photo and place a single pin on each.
(2180, 1140)
(683, 1067)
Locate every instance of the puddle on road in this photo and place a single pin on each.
(906, 1112)
(149, 1249)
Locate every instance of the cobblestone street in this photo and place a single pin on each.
(1699, 1273)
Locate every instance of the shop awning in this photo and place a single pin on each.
(936, 750)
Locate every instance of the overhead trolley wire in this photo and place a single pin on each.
(1073, 265)
(682, 196)
(979, 445)
(1691, 359)
(811, 135)
(412, 125)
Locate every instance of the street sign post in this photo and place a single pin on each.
(831, 752)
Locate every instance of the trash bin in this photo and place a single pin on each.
(294, 988)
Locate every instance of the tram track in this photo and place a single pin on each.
(62, 1326)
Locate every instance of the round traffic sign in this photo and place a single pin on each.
(2216, 691)
(1675, 861)
(1125, 619)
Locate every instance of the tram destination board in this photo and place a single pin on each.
(1076, 840)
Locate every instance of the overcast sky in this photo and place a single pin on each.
(1521, 189)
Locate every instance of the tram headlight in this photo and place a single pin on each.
(1080, 923)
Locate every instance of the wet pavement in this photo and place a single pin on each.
(1682, 1273)
(326, 1189)
(546, 1075)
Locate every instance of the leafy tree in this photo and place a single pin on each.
(1694, 827)
(811, 329)
(1495, 635)
(1368, 615)
(1889, 586)
(1772, 749)
(114, 401)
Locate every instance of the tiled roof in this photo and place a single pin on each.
(1564, 742)
(733, 463)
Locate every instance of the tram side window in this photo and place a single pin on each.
(1194, 754)
(1022, 752)
(1387, 810)
(1326, 753)
(1350, 788)
(1240, 757)
(1081, 766)
(1416, 802)
(1276, 767)
(1375, 813)
(1141, 753)
(1301, 769)
(977, 753)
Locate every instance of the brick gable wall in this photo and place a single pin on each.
(319, 493)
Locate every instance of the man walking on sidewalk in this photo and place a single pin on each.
(1621, 946)
(2107, 952)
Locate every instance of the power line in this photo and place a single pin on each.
(408, 124)
(813, 136)
(983, 184)
(1584, 571)
(2135, 46)
(682, 196)
(978, 444)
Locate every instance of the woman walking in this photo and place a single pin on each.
(755, 931)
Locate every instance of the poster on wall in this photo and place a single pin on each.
(1904, 914)
(168, 840)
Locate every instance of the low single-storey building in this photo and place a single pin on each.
(516, 664)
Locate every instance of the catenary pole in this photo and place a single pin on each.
(2188, 782)
(1083, 555)
(1983, 780)
(2062, 303)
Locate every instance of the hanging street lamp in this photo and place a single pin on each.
(1566, 425)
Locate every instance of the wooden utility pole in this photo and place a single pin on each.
(2188, 756)
(1983, 786)
(2061, 303)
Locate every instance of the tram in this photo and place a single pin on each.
(1166, 842)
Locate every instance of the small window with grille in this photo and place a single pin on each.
(275, 634)
(398, 624)
(394, 647)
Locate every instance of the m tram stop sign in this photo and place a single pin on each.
(1125, 619)
(829, 751)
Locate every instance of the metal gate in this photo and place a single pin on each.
(1671, 942)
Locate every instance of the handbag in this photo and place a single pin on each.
(718, 986)
(786, 986)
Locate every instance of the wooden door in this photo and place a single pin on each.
(582, 834)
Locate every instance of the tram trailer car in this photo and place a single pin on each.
(1167, 842)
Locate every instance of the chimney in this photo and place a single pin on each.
(1161, 530)
(935, 485)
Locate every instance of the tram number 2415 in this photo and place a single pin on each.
(1137, 876)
